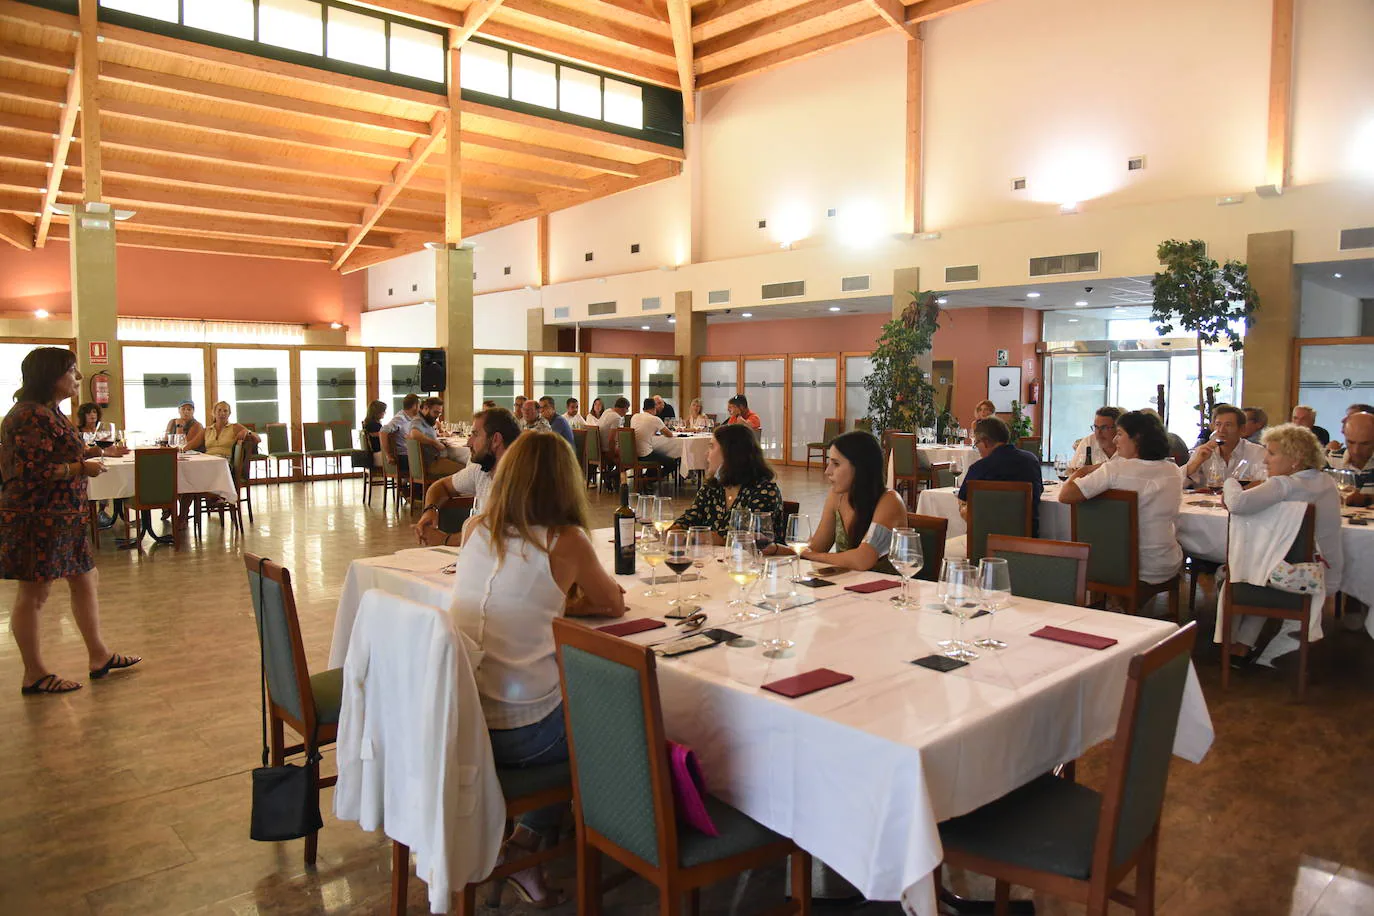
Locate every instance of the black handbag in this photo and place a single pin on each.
(286, 799)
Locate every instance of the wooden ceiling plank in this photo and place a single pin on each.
(602, 186)
(204, 89)
(797, 17)
(226, 225)
(926, 10)
(474, 191)
(728, 15)
(497, 170)
(680, 21)
(61, 145)
(605, 60)
(574, 131)
(26, 124)
(401, 245)
(894, 14)
(22, 12)
(25, 148)
(58, 61)
(32, 92)
(173, 241)
(403, 172)
(1280, 132)
(568, 157)
(208, 176)
(16, 231)
(474, 18)
(791, 54)
(581, 19)
(25, 202)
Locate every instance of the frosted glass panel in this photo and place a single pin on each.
(579, 93)
(609, 378)
(398, 374)
(659, 377)
(719, 383)
(1220, 371)
(1078, 386)
(227, 17)
(1135, 383)
(356, 39)
(12, 357)
(533, 81)
(333, 386)
(498, 377)
(813, 400)
(1330, 379)
(856, 369)
(624, 104)
(165, 10)
(559, 377)
(416, 52)
(257, 385)
(156, 381)
(764, 386)
(486, 69)
(293, 24)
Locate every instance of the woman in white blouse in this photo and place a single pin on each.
(526, 559)
(1144, 464)
(1293, 458)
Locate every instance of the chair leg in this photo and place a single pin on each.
(694, 901)
(588, 880)
(467, 900)
(801, 881)
(1175, 609)
(1001, 904)
(669, 902)
(1145, 876)
(1225, 643)
(1302, 662)
(400, 877)
(276, 742)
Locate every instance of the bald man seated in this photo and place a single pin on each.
(1359, 456)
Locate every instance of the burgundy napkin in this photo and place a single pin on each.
(877, 585)
(631, 627)
(801, 684)
(1074, 637)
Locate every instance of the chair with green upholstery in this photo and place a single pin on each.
(317, 446)
(997, 507)
(419, 471)
(279, 449)
(943, 474)
(632, 466)
(933, 529)
(864, 423)
(1044, 570)
(1058, 837)
(1033, 444)
(906, 464)
(588, 440)
(622, 789)
(831, 431)
(308, 703)
(1110, 524)
(341, 443)
(155, 487)
(1244, 598)
(393, 477)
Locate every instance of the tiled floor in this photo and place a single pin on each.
(131, 796)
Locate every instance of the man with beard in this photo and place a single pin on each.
(493, 431)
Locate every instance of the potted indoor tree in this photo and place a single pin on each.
(899, 394)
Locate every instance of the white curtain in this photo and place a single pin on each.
(184, 330)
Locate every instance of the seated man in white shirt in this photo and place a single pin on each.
(1100, 446)
(493, 431)
(574, 414)
(612, 420)
(398, 427)
(647, 427)
(1226, 441)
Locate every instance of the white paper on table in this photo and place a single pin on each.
(417, 559)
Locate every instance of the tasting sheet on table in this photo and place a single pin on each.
(196, 473)
(860, 774)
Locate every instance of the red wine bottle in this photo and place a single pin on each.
(624, 535)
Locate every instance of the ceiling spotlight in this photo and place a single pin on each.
(644, 327)
(1073, 320)
(1032, 295)
(1068, 208)
(335, 326)
(746, 314)
(61, 209)
(834, 308)
(1337, 276)
(1081, 302)
(40, 313)
(942, 301)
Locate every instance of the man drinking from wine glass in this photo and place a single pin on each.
(1226, 441)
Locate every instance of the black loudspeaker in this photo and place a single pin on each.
(433, 370)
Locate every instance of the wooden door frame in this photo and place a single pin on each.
(1295, 381)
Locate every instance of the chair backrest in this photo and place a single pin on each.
(626, 451)
(934, 530)
(1110, 524)
(283, 651)
(944, 474)
(1141, 750)
(997, 507)
(864, 423)
(454, 513)
(833, 428)
(1302, 550)
(238, 458)
(904, 460)
(1032, 444)
(789, 507)
(278, 439)
(388, 452)
(591, 445)
(621, 786)
(341, 436)
(415, 458)
(1042, 569)
(315, 437)
(155, 478)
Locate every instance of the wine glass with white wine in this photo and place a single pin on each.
(907, 559)
(650, 547)
(742, 564)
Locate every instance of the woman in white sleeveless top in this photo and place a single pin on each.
(509, 588)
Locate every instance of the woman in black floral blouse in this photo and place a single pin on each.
(737, 477)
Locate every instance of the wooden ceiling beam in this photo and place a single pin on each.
(530, 176)
(473, 190)
(572, 131)
(28, 91)
(408, 243)
(61, 146)
(25, 148)
(403, 172)
(791, 54)
(533, 13)
(628, 65)
(724, 16)
(894, 14)
(926, 10)
(25, 202)
(602, 186)
(795, 18)
(416, 9)
(175, 241)
(88, 69)
(14, 11)
(474, 18)
(297, 233)
(12, 121)
(650, 10)
(16, 231)
(680, 22)
(43, 58)
(1280, 135)
(567, 157)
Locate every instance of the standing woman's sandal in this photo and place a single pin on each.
(49, 683)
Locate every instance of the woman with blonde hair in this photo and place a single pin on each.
(526, 559)
(984, 409)
(696, 418)
(221, 435)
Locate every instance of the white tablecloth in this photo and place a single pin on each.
(196, 473)
(940, 454)
(456, 447)
(861, 774)
(690, 449)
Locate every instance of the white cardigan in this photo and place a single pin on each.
(414, 755)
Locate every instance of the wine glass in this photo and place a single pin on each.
(943, 578)
(662, 516)
(700, 546)
(739, 519)
(798, 533)
(742, 563)
(179, 441)
(1345, 480)
(650, 547)
(961, 599)
(761, 526)
(994, 590)
(677, 558)
(644, 508)
(906, 556)
(104, 434)
(779, 587)
(1061, 468)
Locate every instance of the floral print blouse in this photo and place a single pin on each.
(709, 509)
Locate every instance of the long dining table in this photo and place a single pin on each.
(861, 774)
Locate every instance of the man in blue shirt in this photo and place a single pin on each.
(557, 422)
(1002, 461)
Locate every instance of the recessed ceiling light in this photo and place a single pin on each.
(672, 320)
(1032, 295)
(335, 326)
(1073, 320)
(40, 313)
(1081, 302)
(644, 327)
(942, 301)
(834, 308)
(1337, 276)
(746, 314)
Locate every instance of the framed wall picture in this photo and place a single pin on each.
(1004, 386)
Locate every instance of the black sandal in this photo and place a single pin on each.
(116, 662)
(49, 683)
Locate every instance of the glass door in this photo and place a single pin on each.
(1078, 386)
(1135, 383)
(813, 400)
(257, 385)
(398, 374)
(719, 383)
(856, 369)
(660, 377)
(333, 385)
(765, 385)
(558, 377)
(156, 381)
(498, 377)
(608, 378)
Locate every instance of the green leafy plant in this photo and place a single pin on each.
(899, 394)
(1020, 422)
(1195, 293)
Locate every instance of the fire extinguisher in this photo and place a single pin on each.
(100, 389)
(1033, 392)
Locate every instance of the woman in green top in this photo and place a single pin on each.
(860, 511)
(737, 477)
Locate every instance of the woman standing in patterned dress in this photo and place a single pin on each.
(44, 465)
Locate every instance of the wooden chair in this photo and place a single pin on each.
(279, 449)
(209, 504)
(317, 446)
(341, 441)
(155, 488)
(415, 458)
(631, 465)
(905, 464)
(1243, 598)
(832, 430)
(1044, 570)
(1110, 524)
(997, 507)
(308, 703)
(392, 476)
(1062, 838)
(375, 475)
(588, 440)
(864, 423)
(623, 794)
(934, 529)
(1033, 444)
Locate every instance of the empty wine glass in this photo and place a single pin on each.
(742, 563)
(739, 519)
(700, 547)
(761, 526)
(908, 560)
(650, 547)
(644, 508)
(779, 588)
(943, 578)
(994, 591)
(677, 558)
(961, 600)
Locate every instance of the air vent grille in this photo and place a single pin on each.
(562, 311)
(650, 303)
(1082, 263)
(718, 297)
(854, 284)
(965, 274)
(1357, 238)
(785, 290)
(601, 308)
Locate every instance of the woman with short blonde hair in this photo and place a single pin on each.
(984, 409)
(221, 435)
(1296, 443)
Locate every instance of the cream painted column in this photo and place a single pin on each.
(689, 342)
(539, 336)
(1269, 369)
(453, 326)
(94, 303)
(905, 281)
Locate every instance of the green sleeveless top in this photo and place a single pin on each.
(884, 565)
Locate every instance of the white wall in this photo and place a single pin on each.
(656, 217)
(403, 326)
(500, 320)
(1333, 91)
(1328, 313)
(401, 281)
(516, 247)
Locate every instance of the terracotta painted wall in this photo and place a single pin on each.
(971, 338)
(169, 284)
(795, 335)
(612, 340)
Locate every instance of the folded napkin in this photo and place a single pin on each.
(1074, 637)
(877, 585)
(631, 627)
(809, 682)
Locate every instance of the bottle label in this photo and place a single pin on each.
(625, 535)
